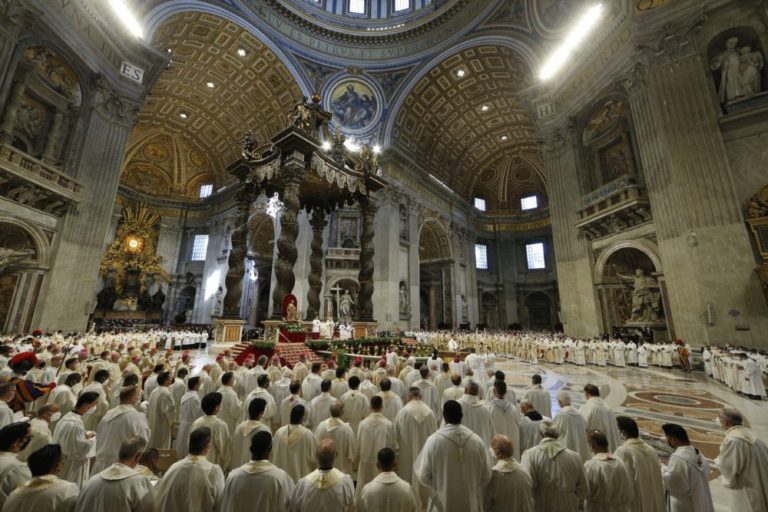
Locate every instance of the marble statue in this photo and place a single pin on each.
(218, 302)
(300, 116)
(9, 256)
(158, 299)
(646, 298)
(750, 68)
(464, 309)
(403, 299)
(345, 307)
(290, 312)
(727, 62)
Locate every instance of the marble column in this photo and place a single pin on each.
(9, 32)
(49, 152)
(293, 171)
(714, 294)
(365, 276)
(578, 303)
(69, 294)
(11, 109)
(318, 223)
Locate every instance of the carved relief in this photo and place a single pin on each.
(738, 65)
(607, 144)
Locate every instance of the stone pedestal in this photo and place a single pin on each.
(227, 330)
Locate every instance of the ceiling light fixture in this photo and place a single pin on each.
(485, 108)
(376, 149)
(183, 115)
(210, 85)
(460, 73)
(576, 34)
(326, 145)
(241, 52)
(504, 138)
(121, 9)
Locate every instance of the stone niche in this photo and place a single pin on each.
(737, 62)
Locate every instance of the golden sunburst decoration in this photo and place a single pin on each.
(134, 247)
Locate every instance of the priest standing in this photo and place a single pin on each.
(539, 397)
(161, 413)
(599, 416)
(571, 426)
(220, 451)
(454, 464)
(258, 484)
(45, 492)
(610, 486)
(413, 425)
(326, 489)
(504, 415)
(13, 472)
(743, 464)
(294, 446)
(189, 411)
(192, 484)
(686, 476)
(120, 423)
(476, 416)
(387, 492)
(643, 466)
(244, 432)
(120, 487)
(75, 442)
(374, 433)
(511, 487)
(342, 436)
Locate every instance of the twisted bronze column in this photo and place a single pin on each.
(236, 272)
(315, 279)
(365, 276)
(286, 243)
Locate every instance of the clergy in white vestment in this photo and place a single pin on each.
(355, 404)
(300, 369)
(295, 398)
(120, 487)
(294, 446)
(230, 403)
(207, 383)
(7, 395)
(122, 422)
(335, 429)
(161, 413)
(261, 391)
(610, 487)
(178, 388)
(413, 425)
(310, 386)
(374, 433)
(454, 464)
(258, 484)
(504, 415)
(320, 406)
(387, 492)
(539, 397)
(476, 415)
(530, 434)
(686, 475)
(454, 391)
(64, 396)
(244, 432)
(102, 404)
(13, 472)
(559, 480)
(743, 464)
(45, 492)
(339, 385)
(443, 382)
(599, 417)
(511, 487)
(75, 442)
(391, 401)
(189, 411)
(40, 430)
(429, 393)
(220, 452)
(150, 384)
(192, 484)
(642, 462)
(571, 426)
(326, 489)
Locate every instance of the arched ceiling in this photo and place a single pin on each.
(254, 90)
(443, 126)
(507, 180)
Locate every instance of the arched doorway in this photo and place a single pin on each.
(538, 307)
(490, 310)
(21, 275)
(435, 281)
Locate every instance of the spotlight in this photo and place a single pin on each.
(376, 149)
(241, 52)
(460, 73)
(576, 35)
(504, 138)
(485, 108)
(326, 146)
(210, 85)
(183, 115)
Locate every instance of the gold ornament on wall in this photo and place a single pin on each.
(134, 248)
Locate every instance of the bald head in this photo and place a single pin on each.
(337, 409)
(502, 446)
(563, 398)
(730, 417)
(326, 454)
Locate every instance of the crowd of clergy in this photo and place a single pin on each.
(101, 433)
(740, 369)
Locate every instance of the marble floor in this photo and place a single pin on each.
(651, 396)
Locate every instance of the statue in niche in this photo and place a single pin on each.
(646, 296)
(464, 309)
(300, 116)
(218, 302)
(346, 302)
(403, 299)
(740, 70)
(403, 223)
(750, 66)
